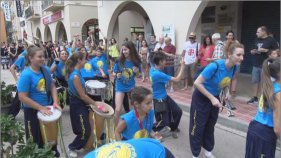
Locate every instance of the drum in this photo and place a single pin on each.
(103, 117)
(90, 143)
(95, 87)
(49, 125)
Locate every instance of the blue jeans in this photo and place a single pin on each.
(256, 75)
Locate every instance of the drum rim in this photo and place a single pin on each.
(104, 85)
(109, 108)
(41, 116)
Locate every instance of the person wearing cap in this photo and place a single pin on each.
(219, 47)
(190, 54)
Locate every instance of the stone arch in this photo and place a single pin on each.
(38, 34)
(60, 33)
(47, 34)
(90, 25)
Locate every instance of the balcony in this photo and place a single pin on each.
(52, 5)
(32, 13)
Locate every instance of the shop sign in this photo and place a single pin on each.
(137, 30)
(169, 31)
(52, 18)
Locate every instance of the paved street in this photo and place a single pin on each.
(229, 143)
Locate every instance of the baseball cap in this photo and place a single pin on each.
(192, 35)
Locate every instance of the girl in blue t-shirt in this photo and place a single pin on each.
(99, 63)
(58, 68)
(264, 130)
(125, 70)
(79, 103)
(205, 102)
(170, 113)
(35, 94)
(138, 122)
(87, 70)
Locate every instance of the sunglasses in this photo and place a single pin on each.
(191, 37)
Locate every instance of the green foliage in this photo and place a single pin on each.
(6, 93)
(31, 150)
(12, 132)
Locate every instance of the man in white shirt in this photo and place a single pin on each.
(160, 44)
(190, 53)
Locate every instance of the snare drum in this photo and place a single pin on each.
(95, 87)
(49, 125)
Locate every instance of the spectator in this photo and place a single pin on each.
(263, 45)
(144, 57)
(219, 47)
(190, 53)
(151, 47)
(113, 52)
(160, 44)
(170, 52)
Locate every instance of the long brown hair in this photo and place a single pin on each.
(30, 52)
(71, 62)
(270, 69)
(133, 54)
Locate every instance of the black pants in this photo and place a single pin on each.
(203, 117)
(171, 117)
(261, 141)
(79, 117)
(168, 153)
(15, 107)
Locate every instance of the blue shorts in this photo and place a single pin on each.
(256, 75)
(169, 70)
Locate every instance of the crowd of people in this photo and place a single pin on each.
(208, 69)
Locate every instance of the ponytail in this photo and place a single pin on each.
(270, 72)
(71, 63)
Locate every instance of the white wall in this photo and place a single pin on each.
(179, 13)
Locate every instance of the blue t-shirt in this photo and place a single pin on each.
(99, 62)
(20, 63)
(127, 80)
(34, 84)
(71, 88)
(158, 79)
(23, 53)
(87, 71)
(133, 130)
(266, 117)
(69, 50)
(60, 71)
(214, 83)
(133, 148)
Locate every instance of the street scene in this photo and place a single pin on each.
(117, 79)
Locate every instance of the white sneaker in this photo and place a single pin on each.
(211, 156)
(72, 153)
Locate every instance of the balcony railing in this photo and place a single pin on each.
(52, 5)
(33, 12)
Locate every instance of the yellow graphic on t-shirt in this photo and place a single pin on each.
(100, 64)
(63, 71)
(41, 85)
(127, 73)
(261, 102)
(143, 133)
(225, 82)
(88, 67)
(116, 150)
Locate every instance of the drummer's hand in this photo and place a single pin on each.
(119, 75)
(45, 111)
(57, 106)
(103, 75)
(216, 102)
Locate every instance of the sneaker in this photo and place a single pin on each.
(172, 90)
(72, 153)
(253, 100)
(175, 135)
(212, 156)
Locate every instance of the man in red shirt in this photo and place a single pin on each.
(170, 51)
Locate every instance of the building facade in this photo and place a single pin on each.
(59, 20)
(119, 19)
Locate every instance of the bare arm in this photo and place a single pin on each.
(119, 129)
(199, 85)
(24, 97)
(53, 68)
(178, 78)
(277, 115)
(13, 71)
(183, 53)
(55, 96)
(82, 95)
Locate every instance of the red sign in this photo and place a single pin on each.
(52, 18)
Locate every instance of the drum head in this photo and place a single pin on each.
(55, 116)
(95, 84)
(108, 108)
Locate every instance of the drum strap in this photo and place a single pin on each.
(48, 82)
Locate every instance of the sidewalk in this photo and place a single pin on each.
(244, 113)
